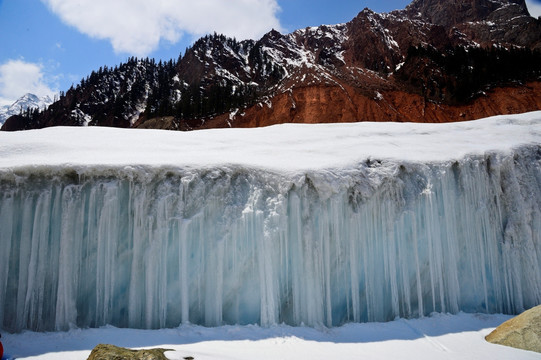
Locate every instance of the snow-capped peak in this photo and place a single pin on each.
(27, 101)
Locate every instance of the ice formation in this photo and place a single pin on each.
(155, 246)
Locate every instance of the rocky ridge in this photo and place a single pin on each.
(434, 61)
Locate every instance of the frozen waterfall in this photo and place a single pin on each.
(235, 246)
(155, 246)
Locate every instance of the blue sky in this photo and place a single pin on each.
(47, 45)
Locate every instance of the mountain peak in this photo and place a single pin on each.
(273, 35)
(30, 100)
(28, 97)
(449, 13)
(27, 101)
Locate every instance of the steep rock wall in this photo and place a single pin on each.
(332, 104)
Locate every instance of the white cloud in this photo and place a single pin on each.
(534, 7)
(18, 77)
(137, 26)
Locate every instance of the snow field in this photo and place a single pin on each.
(440, 336)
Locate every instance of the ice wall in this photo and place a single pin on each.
(151, 248)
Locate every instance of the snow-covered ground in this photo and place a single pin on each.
(284, 148)
(440, 336)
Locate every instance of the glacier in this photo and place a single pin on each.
(162, 242)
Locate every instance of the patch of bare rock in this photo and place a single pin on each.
(521, 332)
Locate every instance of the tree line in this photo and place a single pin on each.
(458, 74)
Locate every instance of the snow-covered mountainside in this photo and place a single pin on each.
(435, 61)
(27, 101)
(315, 225)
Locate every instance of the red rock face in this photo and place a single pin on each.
(332, 104)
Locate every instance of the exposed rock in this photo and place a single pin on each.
(521, 332)
(162, 123)
(16, 123)
(451, 13)
(318, 104)
(112, 352)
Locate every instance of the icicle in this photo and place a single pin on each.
(243, 246)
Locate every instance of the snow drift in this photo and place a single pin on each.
(315, 225)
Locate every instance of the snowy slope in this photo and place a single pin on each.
(296, 224)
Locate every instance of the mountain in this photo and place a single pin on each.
(434, 61)
(27, 101)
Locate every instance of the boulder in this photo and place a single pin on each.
(111, 352)
(521, 332)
